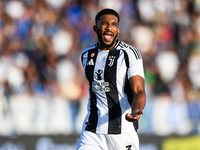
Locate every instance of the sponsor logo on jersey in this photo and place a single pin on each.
(91, 62)
(98, 74)
(100, 86)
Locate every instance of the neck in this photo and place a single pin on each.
(102, 47)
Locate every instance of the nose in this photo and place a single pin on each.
(109, 26)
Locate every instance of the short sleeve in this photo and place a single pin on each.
(135, 65)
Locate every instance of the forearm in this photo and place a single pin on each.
(139, 101)
(137, 106)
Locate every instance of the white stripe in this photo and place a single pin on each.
(102, 127)
(124, 104)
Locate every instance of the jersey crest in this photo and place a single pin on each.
(111, 58)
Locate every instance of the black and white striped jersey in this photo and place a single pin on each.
(110, 94)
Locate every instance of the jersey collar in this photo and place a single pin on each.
(117, 43)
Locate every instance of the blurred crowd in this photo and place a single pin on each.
(42, 80)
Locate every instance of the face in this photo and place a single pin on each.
(107, 31)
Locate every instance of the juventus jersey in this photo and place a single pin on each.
(110, 93)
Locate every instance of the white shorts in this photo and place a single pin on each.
(93, 141)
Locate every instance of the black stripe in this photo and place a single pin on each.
(135, 53)
(127, 88)
(89, 69)
(114, 125)
(138, 53)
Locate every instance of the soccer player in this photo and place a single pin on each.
(117, 97)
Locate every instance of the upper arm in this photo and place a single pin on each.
(137, 84)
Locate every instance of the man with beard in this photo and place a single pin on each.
(117, 97)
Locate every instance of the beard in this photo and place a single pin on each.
(103, 43)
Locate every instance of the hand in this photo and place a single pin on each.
(134, 116)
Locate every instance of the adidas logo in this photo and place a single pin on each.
(91, 62)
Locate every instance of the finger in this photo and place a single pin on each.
(130, 118)
(139, 112)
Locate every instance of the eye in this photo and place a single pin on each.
(104, 23)
(114, 24)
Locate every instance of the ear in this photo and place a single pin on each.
(118, 30)
(95, 28)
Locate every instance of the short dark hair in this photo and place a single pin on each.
(106, 11)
